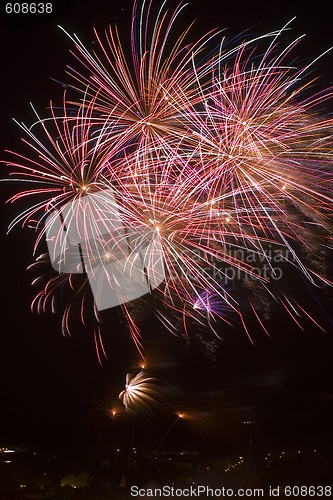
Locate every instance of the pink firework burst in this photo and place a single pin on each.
(220, 157)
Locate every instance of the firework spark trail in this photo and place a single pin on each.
(217, 154)
(141, 93)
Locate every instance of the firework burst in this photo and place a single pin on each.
(142, 393)
(218, 156)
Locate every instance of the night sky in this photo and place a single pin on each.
(52, 388)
